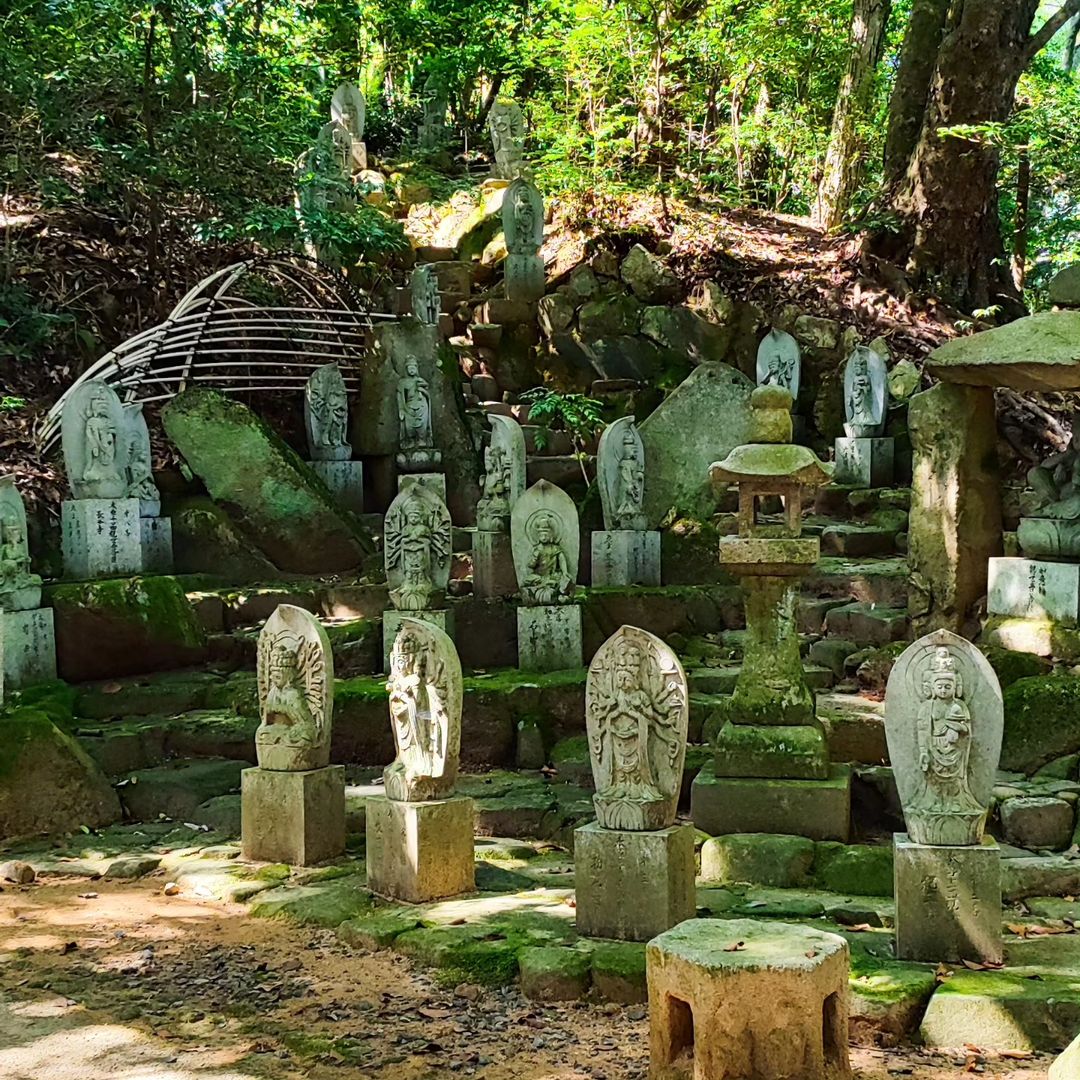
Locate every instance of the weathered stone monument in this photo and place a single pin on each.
(625, 552)
(426, 300)
(101, 531)
(506, 124)
(523, 228)
(779, 362)
(293, 804)
(155, 531)
(771, 769)
(420, 834)
(864, 457)
(636, 714)
(416, 554)
(417, 459)
(432, 134)
(27, 638)
(326, 421)
(944, 723)
(545, 541)
(736, 999)
(348, 108)
(502, 486)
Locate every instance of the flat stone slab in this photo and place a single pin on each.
(1034, 589)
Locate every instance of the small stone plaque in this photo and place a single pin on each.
(549, 637)
(345, 479)
(101, 537)
(29, 647)
(948, 901)
(625, 557)
(1034, 589)
(864, 463)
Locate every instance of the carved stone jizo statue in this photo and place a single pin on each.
(348, 108)
(416, 542)
(636, 711)
(426, 300)
(506, 123)
(95, 441)
(504, 474)
(140, 475)
(621, 475)
(326, 415)
(20, 589)
(425, 691)
(779, 362)
(865, 390)
(943, 720)
(296, 692)
(415, 440)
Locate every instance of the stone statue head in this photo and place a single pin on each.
(412, 367)
(628, 667)
(942, 680)
(10, 531)
(545, 529)
(405, 654)
(414, 512)
(283, 664)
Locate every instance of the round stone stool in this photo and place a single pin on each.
(738, 999)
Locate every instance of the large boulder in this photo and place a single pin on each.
(205, 541)
(124, 626)
(1042, 721)
(1067, 1066)
(650, 279)
(610, 316)
(264, 485)
(699, 423)
(48, 784)
(684, 331)
(1065, 292)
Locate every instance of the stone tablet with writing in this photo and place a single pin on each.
(620, 472)
(546, 545)
(944, 722)
(94, 435)
(416, 548)
(865, 393)
(636, 714)
(296, 692)
(779, 362)
(326, 415)
(425, 691)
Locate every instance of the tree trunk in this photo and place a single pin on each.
(845, 156)
(907, 105)
(1069, 54)
(1023, 216)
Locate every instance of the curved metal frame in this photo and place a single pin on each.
(211, 330)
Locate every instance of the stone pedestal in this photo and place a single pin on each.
(736, 999)
(101, 537)
(29, 650)
(633, 885)
(864, 463)
(549, 637)
(818, 809)
(420, 851)
(1034, 589)
(624, 557)
(436, 481)
(391, 624)
(292, 817)
(345, 479)
(948, 901)
(493, 565)
(155, 535)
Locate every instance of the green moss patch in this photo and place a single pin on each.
(1042, 721)
(618, 971)
(551, 973)
(856, 869)
(377, 930)
(326, 904)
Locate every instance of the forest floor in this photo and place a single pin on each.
(117, 979)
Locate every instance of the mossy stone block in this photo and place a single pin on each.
(758, 858)
(551, 973)
(797, 752)
(1042, 721)
(618, 972)
(854, 869)
(327, 904)
(377, 930)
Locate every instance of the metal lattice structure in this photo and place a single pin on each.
(259, 325)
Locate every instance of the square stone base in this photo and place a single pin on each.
(345, 479)
(864, 463)
(436, 481)
(624, 557)
(948, 901)
(549, 637)
(391, 624)
(292, 817)
(818, 809)
(1034, 589)
(156, 538)
(29, 647)
(633, 885)
(420, 851)
(101, 537)
(493, 565)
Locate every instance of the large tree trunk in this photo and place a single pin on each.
(845, 156)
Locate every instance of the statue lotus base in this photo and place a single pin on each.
(391, 624)
(864, 463)
(493, 565)
(625, 557)
(549, 637)
(1034, 589)
(345, 479)
(155, 538)
(292, 817)
(27, 647)
(948, 901)
(633, 885)
(818, 809)
(101, 538)
(420, 851)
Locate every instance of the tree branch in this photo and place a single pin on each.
(1039, 40)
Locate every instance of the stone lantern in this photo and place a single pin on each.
(770, 770)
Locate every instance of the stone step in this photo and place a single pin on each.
(882, 581)
(857, 541)
(721, 680)
(178, 789)
(867, 623)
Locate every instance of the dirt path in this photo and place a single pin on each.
(117, 980)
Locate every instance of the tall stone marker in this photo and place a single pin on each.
(944, 723)
(155, 531)
(326, 421)
(416, 554)
(625, 552)
(28, 649)
(636, 714)
(293, 804)
(348, 108)
(420, 834)
(426, 298)
(546, 545)
(101, 533)
(779, 362)
(523, 229)
(864, 457)
(506, 125)
(503, 484)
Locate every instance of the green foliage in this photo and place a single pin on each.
(25, 328)
(577, 414)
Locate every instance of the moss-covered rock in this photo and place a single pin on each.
(1040, 637)
(124, 626)
(1042, 721)
(1009, 666)
(758, 858)
(154, 695)
(887, 998)
(553, 973)
(327, 903)
(264, 485)
(206, 541)
(618, 972)
(377, 930)
(176, 790)
(854, 869)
